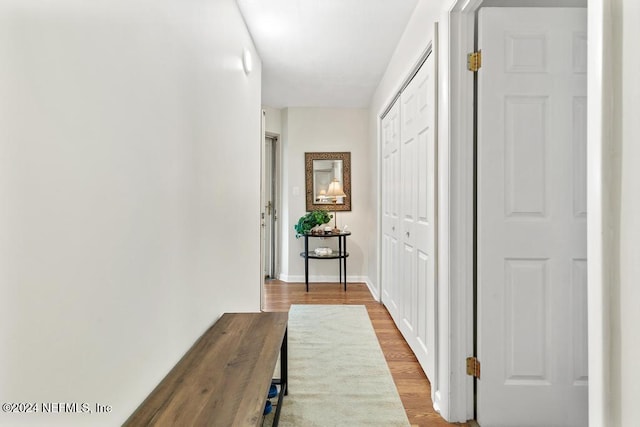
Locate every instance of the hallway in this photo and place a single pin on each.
(413, 386)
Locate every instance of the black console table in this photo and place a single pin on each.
(341, 255)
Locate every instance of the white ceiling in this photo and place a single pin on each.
(324, 53)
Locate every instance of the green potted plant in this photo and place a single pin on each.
(310, 220)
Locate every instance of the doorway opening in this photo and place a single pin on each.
(459, 209)
(270, 208)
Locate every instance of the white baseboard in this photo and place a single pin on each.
(284, 278)
(372, 289)
(332, 279)
(324, 279)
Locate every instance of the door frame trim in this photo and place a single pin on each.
(277, 207)
(461, 210)
(461, 17)
(263, 116)
(600, 91)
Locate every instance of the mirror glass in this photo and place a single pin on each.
(328, 181)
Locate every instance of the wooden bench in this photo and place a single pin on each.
(224, 379)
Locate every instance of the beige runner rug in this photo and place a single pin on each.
(337, 372)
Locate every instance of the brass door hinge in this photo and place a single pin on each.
(474, 61)
(473, 367)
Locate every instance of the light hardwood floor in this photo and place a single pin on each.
(413, 386)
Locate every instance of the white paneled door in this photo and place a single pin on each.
(532, 289)
(417, 213)
(408, 217)
(391, 208)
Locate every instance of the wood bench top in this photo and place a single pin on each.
(223, 380)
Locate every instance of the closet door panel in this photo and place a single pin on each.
(417, 215)
(390, 129)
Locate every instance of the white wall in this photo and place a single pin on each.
(129, 194)
(630, 215)
(413, 43)
(273, 120)
(325, 129)
(624, 369)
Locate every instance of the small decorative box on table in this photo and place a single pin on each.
(341, 255)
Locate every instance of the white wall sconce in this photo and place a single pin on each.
(247, 61)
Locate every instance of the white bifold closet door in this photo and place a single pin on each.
(391, 209)
(408, 218)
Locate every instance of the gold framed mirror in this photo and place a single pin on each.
(328, 181)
